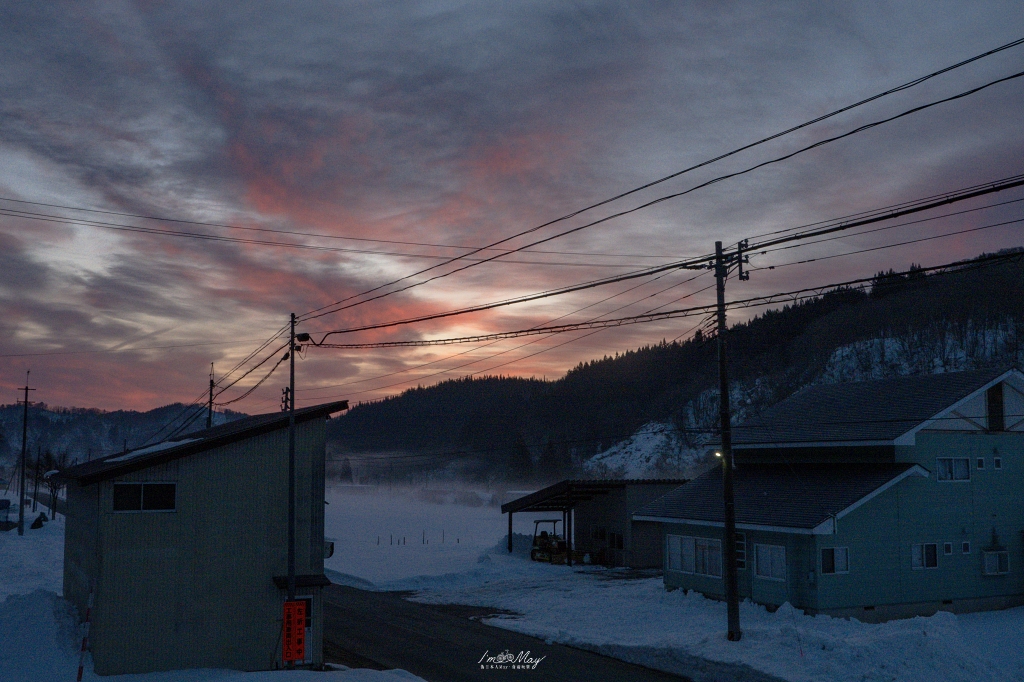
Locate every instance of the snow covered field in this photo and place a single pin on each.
(619, 613)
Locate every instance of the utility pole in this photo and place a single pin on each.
(24, 451)
(209, 412)
(731, 577)
(291, 463)
(35, 481)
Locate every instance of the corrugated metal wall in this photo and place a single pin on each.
(193, 588)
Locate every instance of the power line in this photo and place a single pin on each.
(914, 207)
(515, 348)
(291, 245)
(297, 233)
(330, 308)
(669, 314)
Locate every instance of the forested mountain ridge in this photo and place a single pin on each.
(81, 433)
(507, 427)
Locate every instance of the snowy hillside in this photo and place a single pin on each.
(657, 449)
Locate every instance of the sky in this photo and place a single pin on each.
(394, 136)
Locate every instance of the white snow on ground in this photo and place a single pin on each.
(609, 611)
(651, 451)
(34, 561)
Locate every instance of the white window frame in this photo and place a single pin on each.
(981, 463)
(997, 463)
(774, 554)
(947, 548)
(965, 547)
(995, 554)
(941, 470)
(919, 556)
(142, 500)
(836, 553)
(695, 556)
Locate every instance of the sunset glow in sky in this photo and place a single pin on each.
(393, 135)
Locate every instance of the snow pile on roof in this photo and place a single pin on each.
(166, 445)
(654, 450)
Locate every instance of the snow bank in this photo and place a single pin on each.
(682, 633)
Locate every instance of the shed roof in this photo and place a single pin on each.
(866, 412)
(795, 498)
(562, 495)
(189, 444)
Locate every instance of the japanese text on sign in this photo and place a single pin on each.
(293, 641)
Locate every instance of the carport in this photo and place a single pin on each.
(566, 495)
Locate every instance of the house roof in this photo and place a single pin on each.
(867, 412)
(562, 495)
(802, 498)
(192, 443)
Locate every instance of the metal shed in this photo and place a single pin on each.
(596, 516)
(183, 546)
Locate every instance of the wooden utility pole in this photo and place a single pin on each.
(35, 480)
(731, 578)
(24, 451)
(209, 411)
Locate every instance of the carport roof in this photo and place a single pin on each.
(557, 497)
(191, 443)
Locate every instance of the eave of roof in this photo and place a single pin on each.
(118, 464)
(564, 494)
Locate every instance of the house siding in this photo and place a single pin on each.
(193, 587)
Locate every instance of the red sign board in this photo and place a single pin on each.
(293, 640)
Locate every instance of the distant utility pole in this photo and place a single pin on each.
(35, 480)
(209, 412)
(24, 451)
(722, 263)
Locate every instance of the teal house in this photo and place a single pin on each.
(873, 500)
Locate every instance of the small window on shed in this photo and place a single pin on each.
(965, 547)
(997, 462)
(981, 462)
(158, 496)
(127, 497)
(133, 497)
(947, 548)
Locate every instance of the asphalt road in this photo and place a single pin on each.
(382, 630)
